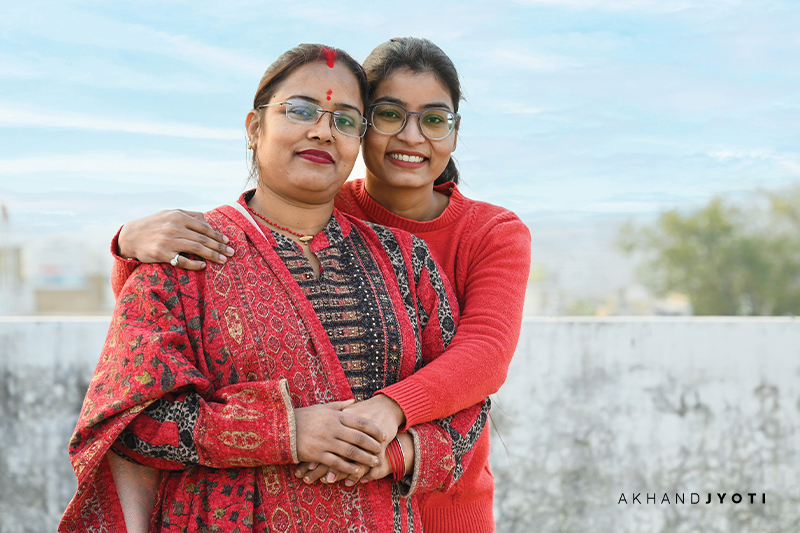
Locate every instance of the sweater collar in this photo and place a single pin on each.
(454, 210)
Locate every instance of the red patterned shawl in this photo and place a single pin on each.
(246, 339)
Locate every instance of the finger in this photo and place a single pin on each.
(195, 247)
(358, 439)
(185, 262)
(198, 223)
(339, 464)
(313, 475)
(365, 426)
(353, 454)
(339, 405)
(303, 468)
(190, 264)
(351, 480)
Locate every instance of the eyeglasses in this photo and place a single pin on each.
(349, 123)
(435, 123)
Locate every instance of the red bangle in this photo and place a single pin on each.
(397, 459)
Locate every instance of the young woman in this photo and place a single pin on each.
(222, 380)
(411, 184)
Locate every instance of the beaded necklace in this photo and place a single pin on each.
(305, 239)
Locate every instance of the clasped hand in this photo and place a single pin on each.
(380, 412)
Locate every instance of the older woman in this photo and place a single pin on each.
(224, 379)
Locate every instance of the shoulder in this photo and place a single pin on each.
(346, 199)
(390, 239)
(481, 219)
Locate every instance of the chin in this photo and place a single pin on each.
(408, 180)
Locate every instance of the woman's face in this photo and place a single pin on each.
(425, 159)
(299, 162)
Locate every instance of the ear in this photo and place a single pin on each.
(252, 124)
(455, 134)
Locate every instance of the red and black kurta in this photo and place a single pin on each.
(201, 371)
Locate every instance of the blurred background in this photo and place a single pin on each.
(651, 146)
(582, 116)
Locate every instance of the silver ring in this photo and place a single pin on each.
(174, 261)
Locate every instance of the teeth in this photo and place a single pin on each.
(407, 158)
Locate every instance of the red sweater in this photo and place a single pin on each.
(485, 251)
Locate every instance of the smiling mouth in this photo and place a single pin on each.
(407, 158)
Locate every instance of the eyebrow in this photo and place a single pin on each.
(315, 101)
(397, 101)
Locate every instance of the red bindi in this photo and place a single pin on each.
(330, 55)
(330, 92)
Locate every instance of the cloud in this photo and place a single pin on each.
(124, 167)
(526, 60)
(661, 6)
(67, 25)
(106, 73)
(22, 117)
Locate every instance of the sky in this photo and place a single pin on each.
(576, 111)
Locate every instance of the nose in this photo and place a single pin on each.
(322, 129)
(412, 134)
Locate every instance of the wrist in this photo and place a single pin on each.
(391, 406)
(122, 250)
(407, 445)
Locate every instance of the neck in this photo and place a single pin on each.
(414, 203)
(305, 219)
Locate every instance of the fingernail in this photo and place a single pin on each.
(375, 462)
(383, 437)
(226, 240)
(349, 482)
(297, 473)
(331, 477)
(358, 470)
(307, 479)
(222, 258)
(229, 250)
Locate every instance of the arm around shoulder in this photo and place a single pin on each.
(491, 282)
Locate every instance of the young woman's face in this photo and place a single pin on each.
(409, 159)
(302, 162)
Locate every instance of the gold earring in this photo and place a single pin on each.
(249, 144)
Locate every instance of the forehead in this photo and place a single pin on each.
(414, 88)
(315, 79)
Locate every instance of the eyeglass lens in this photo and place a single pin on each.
(435, 124)
(347, 122)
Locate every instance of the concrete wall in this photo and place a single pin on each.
(45, 368)
(592, 409)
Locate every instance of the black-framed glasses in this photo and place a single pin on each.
(347, 122)
(435, 123)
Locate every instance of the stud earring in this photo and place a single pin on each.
(249, 144)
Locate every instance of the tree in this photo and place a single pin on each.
(730, 259)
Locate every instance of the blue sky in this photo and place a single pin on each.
(576, 109)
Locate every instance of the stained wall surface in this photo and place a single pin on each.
(593, 410)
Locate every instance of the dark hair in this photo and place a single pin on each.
(417, 55)
(291, 60)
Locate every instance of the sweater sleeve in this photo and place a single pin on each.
(442, 448)
(157, 352)
(475, 364)
(122, 268)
